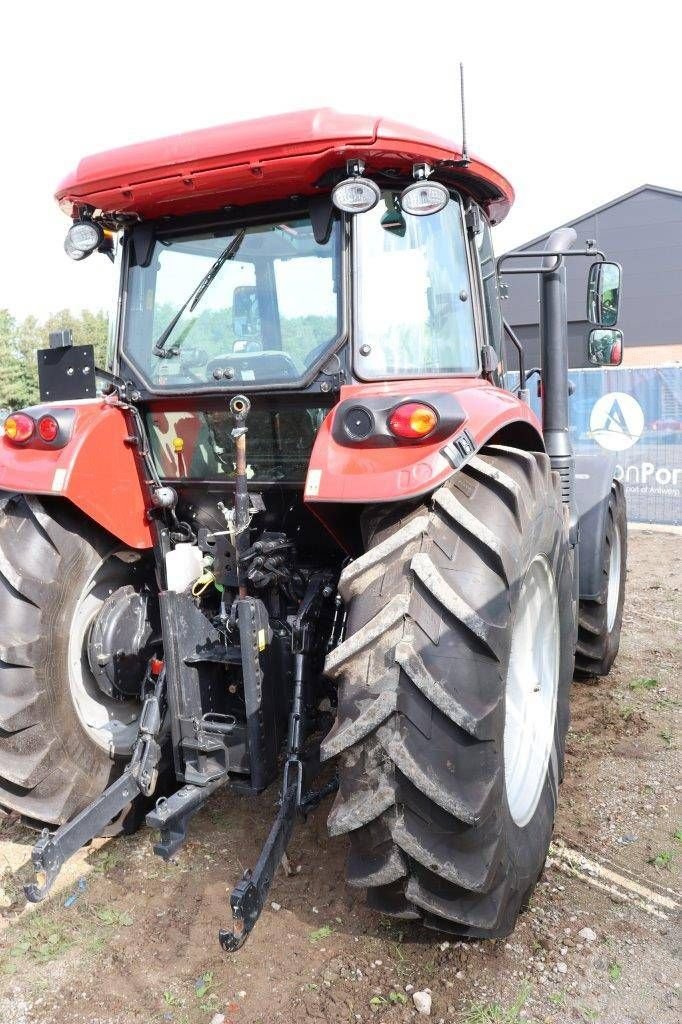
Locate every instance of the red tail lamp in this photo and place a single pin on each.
(48, 428)
(19, 428)
(413, 421)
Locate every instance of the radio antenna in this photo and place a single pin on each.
(465, 155)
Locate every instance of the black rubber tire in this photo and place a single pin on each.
(420, 726)
(50, 768)
(597, 644)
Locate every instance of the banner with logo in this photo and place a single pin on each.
(637, 415)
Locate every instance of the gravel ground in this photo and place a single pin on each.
(137, 940)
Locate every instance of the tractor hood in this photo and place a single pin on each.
(271, 158)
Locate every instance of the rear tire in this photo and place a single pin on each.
(436, 831)
(600, 620)
(52, 762)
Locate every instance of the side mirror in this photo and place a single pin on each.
(245, 313)
(603, 294)
(605, 347)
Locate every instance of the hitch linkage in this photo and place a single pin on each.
(139, 779)
(249, 895)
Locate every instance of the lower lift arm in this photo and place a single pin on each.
(139, 778)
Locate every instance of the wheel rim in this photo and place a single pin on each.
(613, 591)
(111, 724)
(531, 691)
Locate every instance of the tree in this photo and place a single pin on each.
(10, 369)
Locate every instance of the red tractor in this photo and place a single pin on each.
(304, 515)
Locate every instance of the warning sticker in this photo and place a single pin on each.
(312, 484)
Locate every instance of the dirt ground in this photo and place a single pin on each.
(135, 940)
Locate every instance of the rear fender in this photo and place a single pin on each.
(351, 473)
(96, 470)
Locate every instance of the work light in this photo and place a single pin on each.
(356, 195)
(422, 198)
(82, 238)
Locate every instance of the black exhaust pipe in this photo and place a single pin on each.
(554, 350)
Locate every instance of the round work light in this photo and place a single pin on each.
(422, 198)
(82, 238)
(356, 195)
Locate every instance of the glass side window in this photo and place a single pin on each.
(264, 306)
(414, 311)
(491, 290)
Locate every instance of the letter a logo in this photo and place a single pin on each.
(616, 421)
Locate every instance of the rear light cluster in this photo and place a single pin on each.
(20, 428)
(386, 421)
(413, 421)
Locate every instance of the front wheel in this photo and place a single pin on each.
(454, 685)
(600, 618)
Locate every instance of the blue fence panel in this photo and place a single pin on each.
(636, 414)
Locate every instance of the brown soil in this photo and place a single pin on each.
(139, 942)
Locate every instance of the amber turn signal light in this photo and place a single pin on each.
(19, 428)
(413, 421)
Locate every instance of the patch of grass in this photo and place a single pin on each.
(321, 933)
(203, 984)
(39, 941)
(678, 835)
(643, 684)
(113, 917)
(170, 999)
(495, 1013)
(662, 860)
(615, 971)
(667, 736)
(558, 998)
(397, 998)
(106, 861)
(627, 712)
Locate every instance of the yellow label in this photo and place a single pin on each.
(261, 639)
(178, 444)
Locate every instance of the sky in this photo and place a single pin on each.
(575, 102)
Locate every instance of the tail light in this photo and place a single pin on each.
(19, 428)
(413, 421)
(39, 428)
(48, 429)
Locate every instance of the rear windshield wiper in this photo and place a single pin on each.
(192, 301)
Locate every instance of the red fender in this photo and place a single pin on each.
(344, 473)
(96, 470)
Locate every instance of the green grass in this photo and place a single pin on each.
(495, 1013)
(643, 684)
(662, 860)
(321, 933)
(615, 971)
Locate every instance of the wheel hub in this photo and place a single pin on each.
(120, 643)
(531, 691)
(110, 721)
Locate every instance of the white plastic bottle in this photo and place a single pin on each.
(184, 566)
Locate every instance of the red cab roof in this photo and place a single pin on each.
(265, 159)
